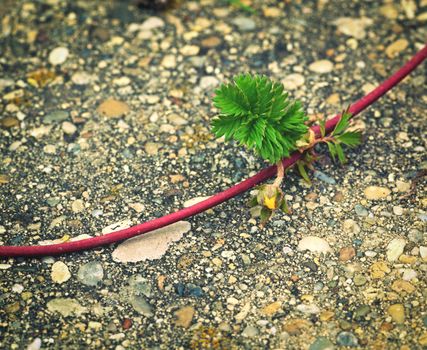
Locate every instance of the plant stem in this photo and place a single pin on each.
(280, 174)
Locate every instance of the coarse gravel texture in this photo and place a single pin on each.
(105, 110)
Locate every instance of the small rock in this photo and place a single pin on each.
(423, 252)
(409, 274)
(90, 274)
(244, 24)
(321, 66)
(69, 128)
(395, 248)
(314, 244)
(293, 81)
(140, 304)
(152, 245)
(389, 11)
(376, 192)
(81, 78)
(210, 42)
(324, 178)
(60, 272)
(347, 253)
(208, 82)
(113, 108)
(308, 308)
(273, 12)
(66, 307)
(138, 207)
(56, 116)
(350, 226)
(397, 47)
(35, 344)
(117, 226)
(58, 55)
(397, 210)
(184, 316)
(361, 210)
(271, 309)
(397, 313)
(354, 27)
(347, 339)
(250, 331)
(359, 280)
(422, 340)
(322, 343)
(379, 269)
(168, 61)
(77, 206)
(189, 50)
(152, 23)
(296, 326)
(402, 287)
(152, 148)
(122, 81)
(403, 186)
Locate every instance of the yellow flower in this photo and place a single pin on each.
(270, 202)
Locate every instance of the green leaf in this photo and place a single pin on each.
(322, 127)
(340, 153)
(240, 4)
(332, 150)
(350, 138)
(303, 172)
(342, 124)
(265, 215)
(253, 202)
(284, 206)
(256, 112)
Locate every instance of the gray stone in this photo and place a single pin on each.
(324, 178)
(360, 210)
(140, 304)
(321, 343)
(55, 116)
(244, 24)
(250, 331)
(347, 339)
(91, 273)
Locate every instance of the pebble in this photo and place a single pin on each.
(397, 210)
(69, 128)
(403, 186)
(350, 226)
(359, 280)
(189, 50)
(379, 269)
(152, 23)
(347, 253)
(152, 245)
(113, 108)
(376, 192)
(361, 210)
(293, 81)
(321, 66)
(152, 148)
(210, 42)
(35, 344)
(395, 248)
(308, 308)
(122, 81)
(245, 24)
(397, 313)
(140, 304)
(117, 226)
(168, 61)
(271, 309)
(56, 116)
(66, 306)
(347, 339)
(402, 287)
(81, 78)
(321, 343)
(58, 55)
(423, 252)
(314, 244)
(60, 272)
(77, 206)
(208, 82)
(354, 27)
(324, 178)
(184, 316)
(193, 201)
(91, 273)
(409, 274)
(250, 331)
(17, 288)
(394, 49)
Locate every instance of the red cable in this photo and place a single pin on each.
(67, 247)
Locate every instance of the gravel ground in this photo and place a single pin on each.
(105, 124)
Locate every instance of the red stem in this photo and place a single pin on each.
(67, 247)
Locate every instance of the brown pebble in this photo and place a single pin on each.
(113, 108)
(127, 323)
(347, 253)
(211, 42)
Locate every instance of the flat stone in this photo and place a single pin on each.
(60, 272)
(354, 27)
(314, 244)
(152, 245)
(58, 55)
(77, 206)
(244, 24)
(90, 274)
(189, 50)
(210, 42)
(113, 108)
(184, 316)
(376, 192)
(81, 78)
(347, 339)
(347, 253)
(395, 248)
(296, 326)
(250, 331)
(140, 304)
(271, 309)
(168, 61)
(293, 81)
(66, 307)
(56, 116)
(308, 308)
(152, 148)
(397, 313)
(36, 344)
(379, 269)
(321, 66)
(68, 128)
(152, 23)
(272, 12)
(208, 82)
(322, 343)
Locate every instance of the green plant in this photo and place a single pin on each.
(240, 4)
(257, 113)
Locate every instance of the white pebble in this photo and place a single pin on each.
(58, 55)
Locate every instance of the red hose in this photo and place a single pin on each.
(67, 247)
